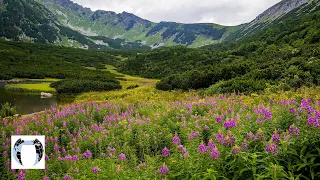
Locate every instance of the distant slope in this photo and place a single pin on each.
(285, 54)
(27, 20)
(63, 22)
(133, 28)
(268, 17)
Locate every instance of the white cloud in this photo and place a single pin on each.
(226, 12)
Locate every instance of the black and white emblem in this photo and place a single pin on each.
(17, 150)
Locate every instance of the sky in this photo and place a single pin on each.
(225, 12)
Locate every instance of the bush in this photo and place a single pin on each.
(75, 86)
(163, 86)
(133, 86)
(7, 110)
(238, 84)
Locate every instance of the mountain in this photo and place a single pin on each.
(268, 17)
(133, 28)
(28, 20)
(66, 23)
(282, 55)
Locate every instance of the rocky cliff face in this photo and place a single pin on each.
(278, 10)
(268, 17)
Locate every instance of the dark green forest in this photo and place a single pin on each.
(38, 61)
(286, 52)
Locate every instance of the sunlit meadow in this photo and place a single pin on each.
(148, 134)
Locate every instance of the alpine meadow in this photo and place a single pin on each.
(118, 96)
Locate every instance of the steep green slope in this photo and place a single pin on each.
(27, 20)
(69, 24)
(271, 16)
(133, 28)
(285, 52)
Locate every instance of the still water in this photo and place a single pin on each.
(26, 103)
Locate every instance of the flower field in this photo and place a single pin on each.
(175, 136)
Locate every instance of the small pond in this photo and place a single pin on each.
(27, 103)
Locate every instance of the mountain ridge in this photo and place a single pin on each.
(71, 24)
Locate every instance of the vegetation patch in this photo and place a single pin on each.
(38, 87)
(155, 134)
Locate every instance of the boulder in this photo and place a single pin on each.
(46, 95)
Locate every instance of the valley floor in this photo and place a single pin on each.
(144, 133)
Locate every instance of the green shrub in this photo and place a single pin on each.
(75, 86)
(7, 110)
(133, 86)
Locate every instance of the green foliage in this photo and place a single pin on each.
(36, 61)
(287, 51)
(133, 86)
(75, 86)
(7, 110)
(27, 18)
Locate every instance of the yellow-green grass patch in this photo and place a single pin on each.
(131, 80)
(39, 87)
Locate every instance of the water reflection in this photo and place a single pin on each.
(27, 103)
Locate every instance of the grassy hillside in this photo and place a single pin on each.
(284, 54)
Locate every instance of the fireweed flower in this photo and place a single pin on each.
(21, 176)
(68, 157)
(102, 154)
(165, 152)
(185, 155)
(286, 136)
(250, 136)
(67, 177)
(259, 120)
(312, 121)
(46, 178)
(244, 146)
(74, 158)
(220, 138)
(215, 153)
(193, 135)
(211, 144)
(87, 154)
(175, 140)
(5, 154)
(122, 157)
(230, 140)
(56, 147)
(236, 150)
(164, 170)
(111, 149)
(218, 119)
(230, 124)
(96, 170)
(276, 137)
(294, 130)
(260, 135)
(202, 148)
(206, 128)
(182, 148)
(272, 148)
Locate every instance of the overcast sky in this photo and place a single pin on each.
(225, 12)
